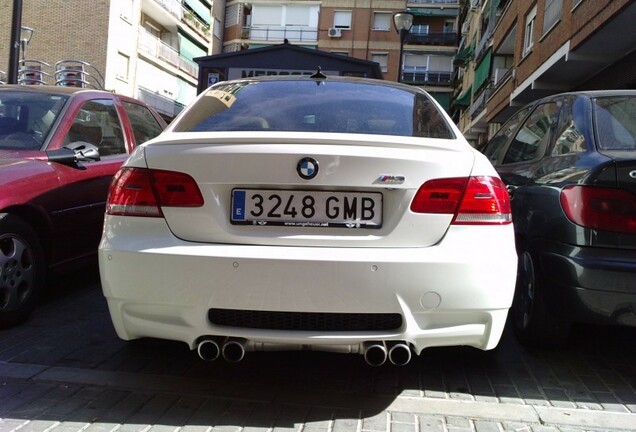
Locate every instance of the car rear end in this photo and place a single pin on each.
(348, 237)
(594, 265)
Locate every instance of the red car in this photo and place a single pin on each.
(59, 148)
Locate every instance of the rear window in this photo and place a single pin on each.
(315, 106)
(615, 119)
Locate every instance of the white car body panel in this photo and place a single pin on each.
(455, 293)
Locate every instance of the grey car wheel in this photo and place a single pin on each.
(21, 269)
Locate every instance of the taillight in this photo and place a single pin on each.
(142, 192)
(472, 200)
(605, 209)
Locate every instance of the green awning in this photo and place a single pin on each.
(464, 98)
(447, 12)
(443, 99)
(482, 71)
(463, 55)
(189, 49)
(202, 10)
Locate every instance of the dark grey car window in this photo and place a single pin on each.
(568, 137)
(497, 143)
(532, 138)
(310, 106)
(144, 124)
(615, 119)
(97, 123)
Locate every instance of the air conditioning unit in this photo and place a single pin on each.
(334, 32)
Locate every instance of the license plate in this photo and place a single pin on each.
(306, 208)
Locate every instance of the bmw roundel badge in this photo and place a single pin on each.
(307, 168)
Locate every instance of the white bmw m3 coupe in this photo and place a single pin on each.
(309, 213)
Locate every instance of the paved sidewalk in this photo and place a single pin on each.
(65, 370)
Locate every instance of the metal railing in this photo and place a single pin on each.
(445, 2)
(479, 101)
(177, 10)
(432, 38)
(161, 103)
(420, 75)
(161, 50)
(279, 33)
(34, 72)
(77, 73)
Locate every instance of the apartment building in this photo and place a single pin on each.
(516, 51)
(362, 29)
(140, 48)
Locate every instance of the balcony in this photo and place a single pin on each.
(431, 38)
(160, 50)
(177, 10)
(421, 76)
(434, 2)
(280, 33)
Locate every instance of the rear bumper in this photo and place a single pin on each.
(591, 285)
(455, 293)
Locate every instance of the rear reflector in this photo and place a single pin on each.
(142, 192)
(605, 209)
(472, 200)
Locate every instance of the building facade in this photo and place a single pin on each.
(362, 29)
(139, 48)
(516, 51)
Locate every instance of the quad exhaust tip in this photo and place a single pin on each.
(375, 353)
(208, 350)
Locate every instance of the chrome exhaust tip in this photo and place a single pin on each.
(375, 353)
(234, 350)
(400, 354)
(208, 350)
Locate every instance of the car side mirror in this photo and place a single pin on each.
(73, 153)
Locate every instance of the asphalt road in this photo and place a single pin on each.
(66, 370)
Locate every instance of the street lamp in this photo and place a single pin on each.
(403, 21)
(26, 34)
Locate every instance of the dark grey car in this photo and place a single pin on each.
(569, 162)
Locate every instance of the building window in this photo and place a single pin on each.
(218, 31)
(123, 65)
(342, 19)
(449, 26)
(381, 59)
(528, 35)
(382, 21)
(552, 14)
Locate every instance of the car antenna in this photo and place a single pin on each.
(318, 74)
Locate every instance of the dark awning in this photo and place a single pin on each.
(463, 55)
(464, 98)
(482, 71)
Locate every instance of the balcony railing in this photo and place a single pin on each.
(445, 2)
(160, 50)
(422, 76)
(479, 103)
(177, 10)
(432, 38)
(280, 33)
(161, 103)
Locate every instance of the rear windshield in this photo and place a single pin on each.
(315, 106)
(26, 118)
(615, 119)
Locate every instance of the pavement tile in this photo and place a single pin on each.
(486, 426)
(428, 423)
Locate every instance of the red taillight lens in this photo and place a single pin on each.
(599, 208)
(142, 192)
(473, 200)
